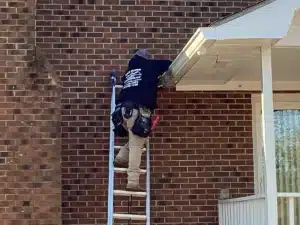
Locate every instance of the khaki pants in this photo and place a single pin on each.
(131, 152)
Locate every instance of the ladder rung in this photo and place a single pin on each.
(124, 170)
(129, 216)
(119, 147)
(130, 193)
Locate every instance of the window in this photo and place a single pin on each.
(287, 143)
(287, 130)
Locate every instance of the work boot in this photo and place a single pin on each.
(120, 163)
(134, 187)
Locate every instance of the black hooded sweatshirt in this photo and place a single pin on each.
(141, 80)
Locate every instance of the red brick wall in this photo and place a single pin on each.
(203, 141)
(30, 181)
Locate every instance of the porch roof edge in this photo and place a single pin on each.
(257, 27)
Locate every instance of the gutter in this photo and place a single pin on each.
(191, 53)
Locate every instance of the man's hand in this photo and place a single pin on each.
(166, 80)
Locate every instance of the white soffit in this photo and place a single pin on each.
(222, 56)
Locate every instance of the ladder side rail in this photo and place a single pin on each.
(110, 209)
(148, 182)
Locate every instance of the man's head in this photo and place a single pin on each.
(143, 53)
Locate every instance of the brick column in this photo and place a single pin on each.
(30, 182)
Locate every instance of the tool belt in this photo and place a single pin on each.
(117, 120)
(142, 124)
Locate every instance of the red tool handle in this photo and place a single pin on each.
(154, 121)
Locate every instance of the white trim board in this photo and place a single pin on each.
(280, 101)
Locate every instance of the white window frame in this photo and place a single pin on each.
(281, 101)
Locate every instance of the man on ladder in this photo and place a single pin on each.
(134, 109)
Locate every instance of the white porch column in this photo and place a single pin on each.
(268, 137)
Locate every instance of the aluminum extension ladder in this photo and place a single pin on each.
(111, 215)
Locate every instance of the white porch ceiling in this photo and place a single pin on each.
(227, 56)
(240, 69)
